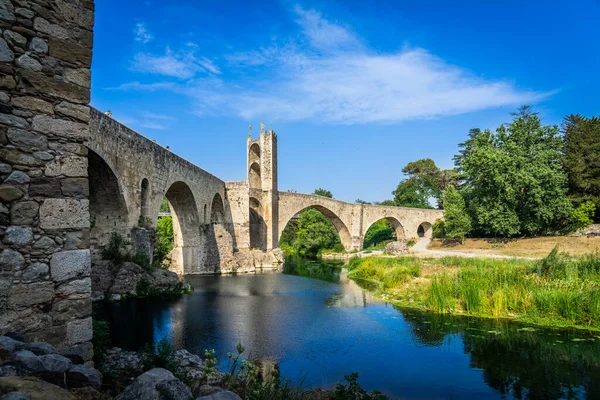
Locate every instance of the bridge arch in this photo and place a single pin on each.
(186, 222)
(425, 230)
(254, 153)
(340, 226)
(258, 226)
(399, 231)
(108, 207)
(254, 176)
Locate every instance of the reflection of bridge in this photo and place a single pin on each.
(213, 220)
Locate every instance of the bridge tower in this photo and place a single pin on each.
(263, 190)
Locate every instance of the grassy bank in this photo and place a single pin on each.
(559, 290)
(521, 247)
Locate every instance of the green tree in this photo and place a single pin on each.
(512, 180)
(359, 201)
(323, 192)
(315, 233)
(582, 159)
(163, 240)
(457, 223)
(410, 194)
(424, 181)
(386, 203)
(583, 215)
(164, 206)
(379, 232)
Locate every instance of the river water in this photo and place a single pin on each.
(316, 326)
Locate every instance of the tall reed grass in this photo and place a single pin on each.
(389, 272)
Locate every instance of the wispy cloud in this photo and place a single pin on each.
(183, 65)
(329, 75)
(142, 34)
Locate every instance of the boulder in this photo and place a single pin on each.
(156, 384)
(9, 370)
(56, 363)
(396, 248)
(126, 279)
(164, 280)
(81, 376)
(124, 363)
(220, 395)
(11, 344)
(15, 396)
(34, 388)
(41, 348)
(27, 360)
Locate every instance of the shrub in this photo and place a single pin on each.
(438, 231)
(100, 339)
(117, 248)
(352, 390)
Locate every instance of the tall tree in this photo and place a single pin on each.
(582, 159)
(457, 223)
(323, 192)
(424, 181)
(410, 193)
(513, 180)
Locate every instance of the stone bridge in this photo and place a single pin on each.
(353, 220)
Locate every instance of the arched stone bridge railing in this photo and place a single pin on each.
(353, 220)
(129, 175)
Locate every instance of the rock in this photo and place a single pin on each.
(75, 187)
(79, 331)
(29, 63)
(156, 384)
(79, 76)
(35, 388)
(11, 260)
(10, 193)
(102, 279)
(20, 294)
(15, 39)
(75, 359)
(76, 289)
(78, 111)
(16, 336)
(24, 212)
(45, 245)
(17, 157)
(6, 54)
(64, 213)
(396, 248)
(35, 271)
(8, 370)
(5, 169)
(89, 393)
(28, 360)
(70, 264)
(15, 396)
(11, 344)
(41, 348)
(72, 166)
(38, 45)
(32, 104)
(165, 280)
(41, 25)
(126, 364)
(17, 178)
(220, 395)
(44, 187)
(127, 279)
(56, 363)
(84, 351)
(18, 235)
(60, 127)
(43, 155)
(80, 376)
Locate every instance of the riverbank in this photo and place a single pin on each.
(558, 291)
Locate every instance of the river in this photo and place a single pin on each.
(316, 326)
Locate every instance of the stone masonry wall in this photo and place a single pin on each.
(45, 59)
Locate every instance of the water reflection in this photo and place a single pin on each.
(320, 329)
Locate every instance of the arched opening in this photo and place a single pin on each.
(424, 230)
(108, 210)
(254, 179)
(184, 257)
(315, 229)
(254, 154)
(383, 231)
(258, 226)
(144, 201)
(217, 210)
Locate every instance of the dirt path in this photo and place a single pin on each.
(421, 248)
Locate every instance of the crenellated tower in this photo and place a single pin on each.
(263, 190)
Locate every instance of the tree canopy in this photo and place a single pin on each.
(457, 223)
(512, 179)
(424, 181)
(323, 192)
(582, 159)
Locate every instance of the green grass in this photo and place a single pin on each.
(389, 272)
(559, 290)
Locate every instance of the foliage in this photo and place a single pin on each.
(379, 232)
(359, 201)
(409, 193)
(164, 206)
(386, 203)
(163, 241)
(352, 390)
(438, 229)
(100, 339)
(117, 248)
(323, 192)
(582, 159)
(457, 223)
(160, 356)
(210, 365)
(311, 233)
(389, 272)
(583, 215)
(410, 243)
(512, 180)
(424, 181)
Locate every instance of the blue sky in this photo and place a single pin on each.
(354, 89)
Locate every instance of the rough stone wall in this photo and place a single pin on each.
(45, 58)
(353, 220)
(237, 194)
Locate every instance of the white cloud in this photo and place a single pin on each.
(141, 34)
(183, 65)
(330, 76)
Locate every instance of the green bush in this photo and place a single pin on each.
(438, 230)
(100, 339)
(163, 242)
(117, 248)
(352, 390)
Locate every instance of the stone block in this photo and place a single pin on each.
(84, 350)
(77, 111)
(35, 272)
(72, 166)
(64, 213)
(64, 310)
(38, 45)
(18, 235)
(79, 331)
(70, 264)
(79, 76)
(75, 187)
(13, 120)
(27, 295)
(17, 157)
(44, 187)
(33, 103)
(29, 63)
(60, 127)
(27, 140)
(76, 289)
(39, 83)
(6, 54)
(70, 52)
(24, 212)
(11, 260)
(10, 193)
(44, 245)
(41, 25)
(17, 178)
